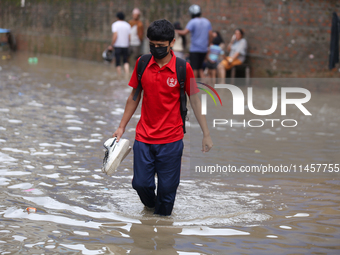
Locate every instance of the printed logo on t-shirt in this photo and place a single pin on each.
(171, 82)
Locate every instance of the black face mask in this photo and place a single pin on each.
(159, 52)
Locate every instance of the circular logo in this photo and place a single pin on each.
(171, 82)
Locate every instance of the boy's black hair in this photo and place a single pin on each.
(120, 15)
(195, 15)
(161, 30)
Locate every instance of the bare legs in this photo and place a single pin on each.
(225, 65)
(119, 70)
(212, 75)
(126, 69)
(221, 71)
(199, 73)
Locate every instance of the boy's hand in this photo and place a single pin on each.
(207, 143)
(118, 133)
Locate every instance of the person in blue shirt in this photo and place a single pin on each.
(201, 36)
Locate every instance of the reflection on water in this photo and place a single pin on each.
(54, 118)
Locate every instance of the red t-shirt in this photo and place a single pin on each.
(161, 121)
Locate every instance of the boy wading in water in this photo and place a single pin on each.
(158, 144)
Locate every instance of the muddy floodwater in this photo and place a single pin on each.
(55, 116)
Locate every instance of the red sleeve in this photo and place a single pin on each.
(190, 82)
(134, 79)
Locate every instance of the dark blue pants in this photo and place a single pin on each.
(121, 52)
(163, 160)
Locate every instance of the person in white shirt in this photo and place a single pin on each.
(180, 42)
(120, 42)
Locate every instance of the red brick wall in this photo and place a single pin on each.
(286, 38)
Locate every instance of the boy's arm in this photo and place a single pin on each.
(207, 55)
(130, 108)
(231, 59)
(140, 31)
(114, 38)
(211, 37)
(196, 106)
(183, 31)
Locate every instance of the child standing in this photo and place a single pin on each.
(215, 51)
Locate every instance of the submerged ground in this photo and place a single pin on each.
(54, 117)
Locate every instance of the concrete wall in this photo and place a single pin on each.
(287, 38)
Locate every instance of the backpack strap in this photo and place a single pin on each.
(142, 64)
(181, 76)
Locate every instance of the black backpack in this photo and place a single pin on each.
(181, 76)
